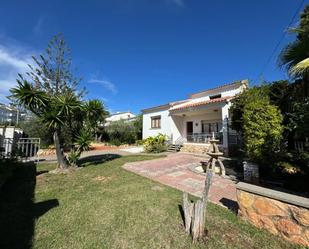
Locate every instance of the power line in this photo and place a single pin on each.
(280, 40)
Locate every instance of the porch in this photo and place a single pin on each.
(193, 127)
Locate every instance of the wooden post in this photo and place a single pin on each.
(195, 213)
(188, 212)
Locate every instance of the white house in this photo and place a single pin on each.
(128, 116)
(192, 121)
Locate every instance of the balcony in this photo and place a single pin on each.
(204, 137)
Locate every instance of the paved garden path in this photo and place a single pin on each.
(174, 171)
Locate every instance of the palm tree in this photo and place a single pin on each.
(52, 110)
(295, 56)
(95, 113)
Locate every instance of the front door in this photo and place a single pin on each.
(189, 128)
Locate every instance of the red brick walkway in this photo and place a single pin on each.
(174, 171)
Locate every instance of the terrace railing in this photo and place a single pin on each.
(203, 137)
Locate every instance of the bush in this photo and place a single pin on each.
(240, 102)
(35, 128)
(155, 144)
(262, 131)
(82, 143)
(121, 132)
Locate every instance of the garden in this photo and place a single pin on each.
(92, 202)
(102, 205)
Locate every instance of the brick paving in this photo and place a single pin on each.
(174, 171)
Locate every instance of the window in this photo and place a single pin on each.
(208, 127)
(215, 96)
(156, 122)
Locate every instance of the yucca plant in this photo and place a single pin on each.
(95, 113)
(82, 143)
(73, 157)
(49, 90)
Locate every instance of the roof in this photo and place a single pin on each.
(191, 101)
(200, 103)
(118, 113)
(159, 107)
(234, 83)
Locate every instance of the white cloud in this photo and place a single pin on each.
(110, 86)
(13, 60)
(9, 59)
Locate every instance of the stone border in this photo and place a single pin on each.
(274, 194)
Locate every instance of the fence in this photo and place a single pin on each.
(28, 147)
(22, 148)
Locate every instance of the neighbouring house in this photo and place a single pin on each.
(127, 116)
(190, 123)
(9, 136)
(11, 115)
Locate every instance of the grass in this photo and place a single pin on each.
(103, 206)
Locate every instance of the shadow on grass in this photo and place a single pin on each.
(97, 159)
(230, 204)
(18, 211)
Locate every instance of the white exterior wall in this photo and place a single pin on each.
(120, 116)
(177, 127)
(215, 117)
(7, 132)
(165, 124)
(232, 92)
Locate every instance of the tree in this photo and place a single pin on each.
(295, 56)
(51, 92)
(262, 127)
(95, 113)
(121, 132)
(51, 110)
(138, 125)
(242, 100)
(51, 71)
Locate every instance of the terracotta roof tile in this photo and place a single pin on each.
(195, 104)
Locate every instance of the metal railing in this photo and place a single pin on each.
(22, 148)
(180, 141)
(203, 137)
(28, 148)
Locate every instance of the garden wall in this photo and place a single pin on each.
(194, 148)
(280, 213)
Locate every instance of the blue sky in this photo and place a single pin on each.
(134, 54)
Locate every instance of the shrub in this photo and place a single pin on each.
(121, 132)
(155, 144)
(82, 143)
(73, 157)
(35, 128)
(262, 130)
(240, 102)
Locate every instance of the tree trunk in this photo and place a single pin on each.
(59, 152)
(100, 137)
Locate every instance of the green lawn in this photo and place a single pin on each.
(103, 206)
